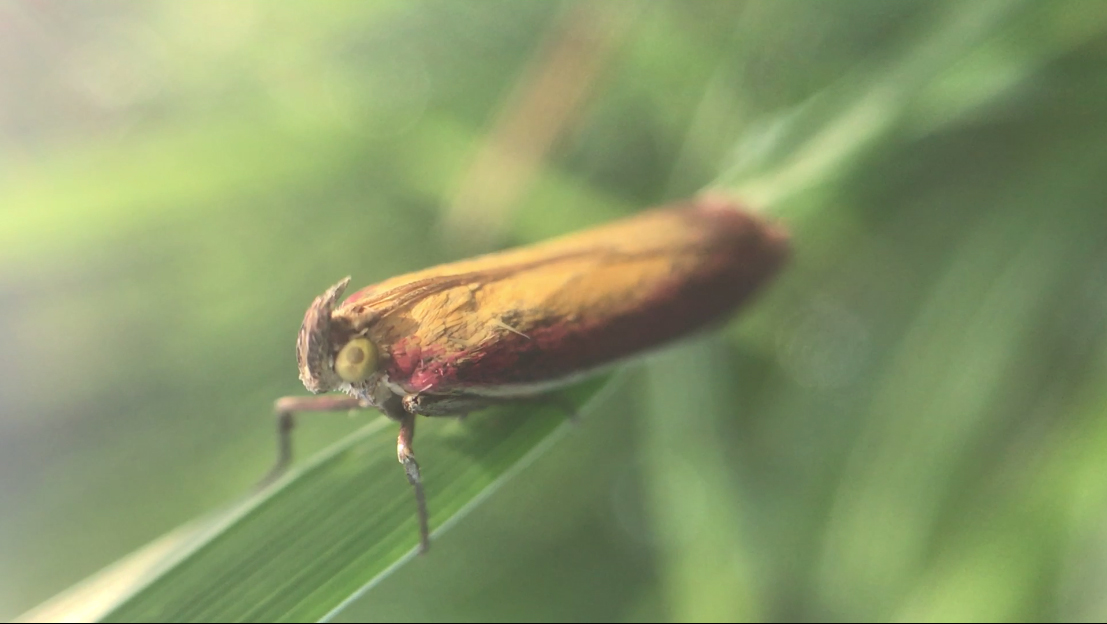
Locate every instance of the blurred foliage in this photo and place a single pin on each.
(908, 426)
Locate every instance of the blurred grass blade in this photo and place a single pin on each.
(332, 529)
(829, 132)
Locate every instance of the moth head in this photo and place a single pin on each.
(328, 351)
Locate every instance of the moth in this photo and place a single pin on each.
(521, 323)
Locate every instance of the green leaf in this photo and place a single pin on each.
(332, 529)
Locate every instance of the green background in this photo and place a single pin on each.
(909, 425)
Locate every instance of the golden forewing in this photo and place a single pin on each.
(598, 272)
(535, 313)
(656, 231)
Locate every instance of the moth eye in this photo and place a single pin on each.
(357, 360)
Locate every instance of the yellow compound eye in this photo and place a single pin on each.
(357, 360)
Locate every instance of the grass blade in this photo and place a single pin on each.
(329, 531)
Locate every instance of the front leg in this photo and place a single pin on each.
(286, 409)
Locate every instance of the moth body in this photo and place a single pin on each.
(526, 321)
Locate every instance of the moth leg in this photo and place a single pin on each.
(286, 409)
(456, 405)
(445, 404)
(405, 410)
(411, 468)
(394, 408)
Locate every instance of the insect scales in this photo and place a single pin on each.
(523, 322)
